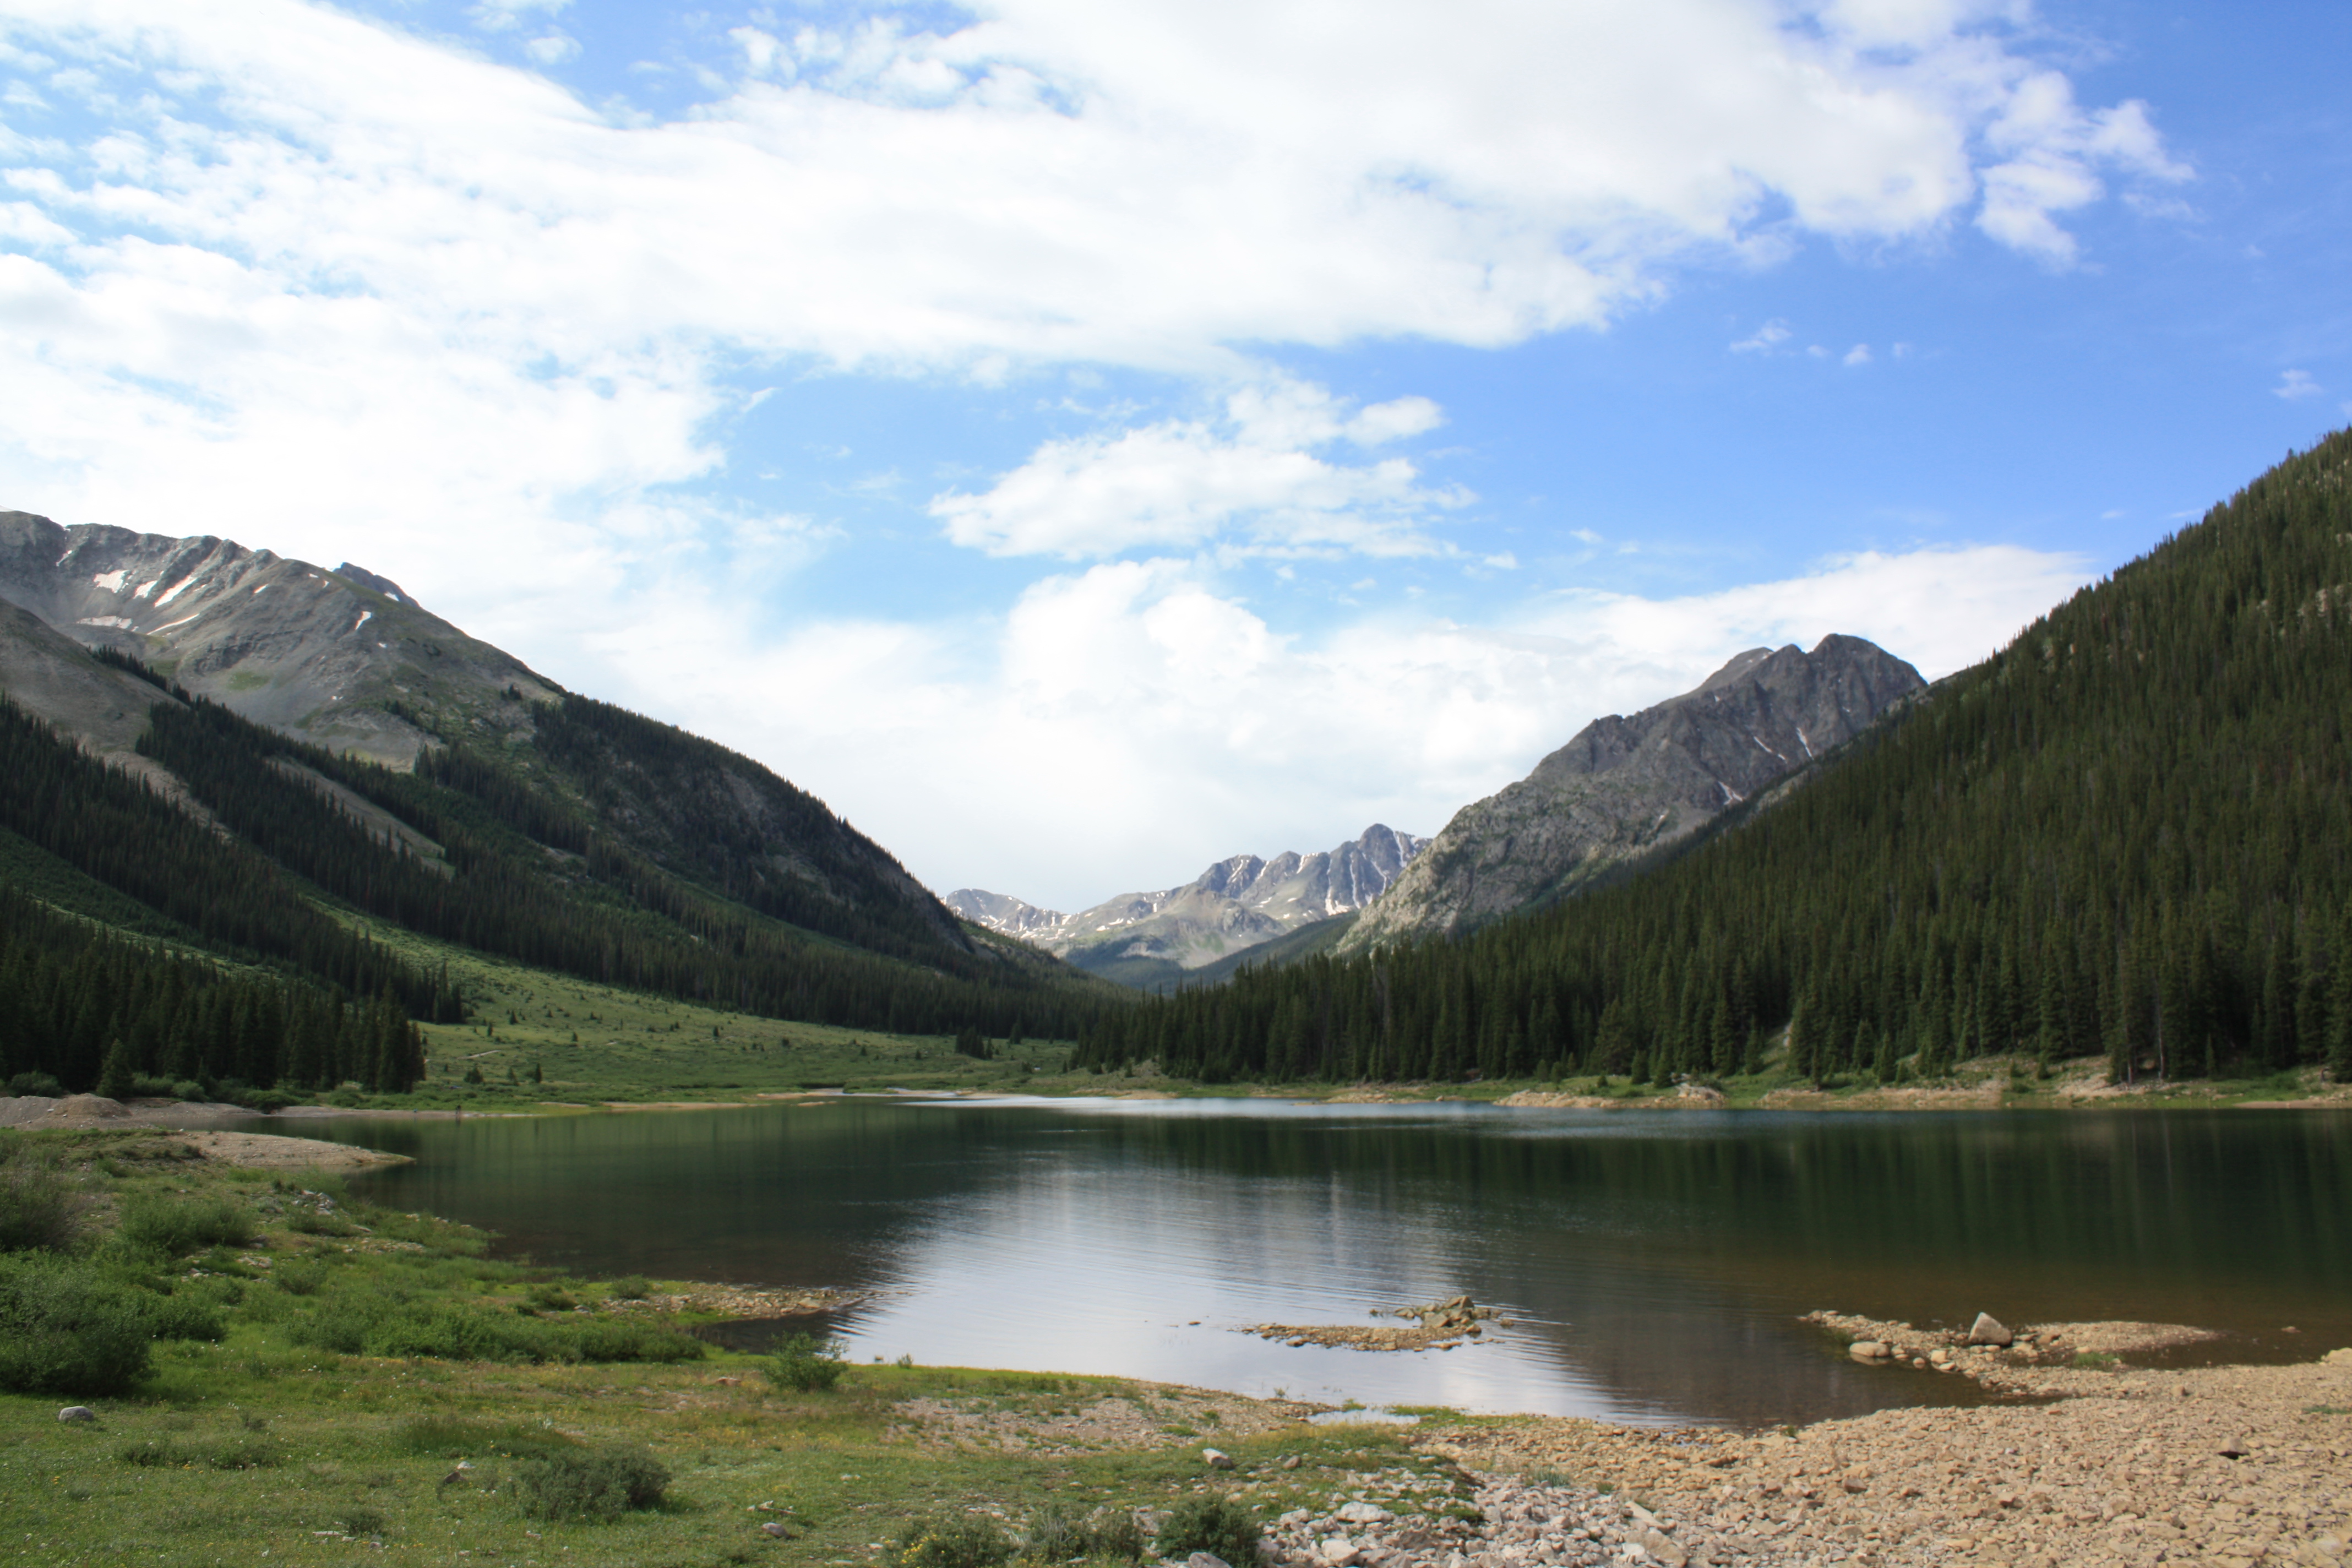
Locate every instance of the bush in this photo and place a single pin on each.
(184, 1316)
(66, 1329)
(632, 1287)
(593, 1484)
(354, 1321)
(233, 1454)
(451, 1437)
(1217, 1525)
(805, 1365)
(1108, 1534)
(40, 1208)
(963, 1540)
(175, 1229)
(39, 1083)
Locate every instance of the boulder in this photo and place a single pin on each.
(1337, 1551)
(1362, 1513)
(1868, 1349)
(1205, 1560)
(1217, 1459)
(76, 1413)
(1987, 1330)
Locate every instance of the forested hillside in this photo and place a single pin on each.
(137, 937)
(2129, 832)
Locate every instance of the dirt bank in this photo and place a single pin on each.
(258, 1151)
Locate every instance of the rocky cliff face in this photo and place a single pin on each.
(311, 652)
(1234, 904)
(1623, 786)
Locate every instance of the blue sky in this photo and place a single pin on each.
(1083, 442)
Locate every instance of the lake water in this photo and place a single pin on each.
(1655, 1263)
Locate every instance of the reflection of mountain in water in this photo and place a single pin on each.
(1657, 1262)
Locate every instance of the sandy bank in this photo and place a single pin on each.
(257, 1151)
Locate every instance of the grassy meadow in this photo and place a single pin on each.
(325, 1366)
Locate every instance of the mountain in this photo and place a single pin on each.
(336, 658)
(341, 750)
(1152, 940)
(2129, 832)
(1624, 788)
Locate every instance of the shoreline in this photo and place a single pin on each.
(2078, 1457)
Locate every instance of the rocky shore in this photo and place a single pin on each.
(2229, 1465)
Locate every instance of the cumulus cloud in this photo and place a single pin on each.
(1129, 721)
(2296, 385)
(1182, 484)
(1765, 338)
(543, 296)
(2051, 153)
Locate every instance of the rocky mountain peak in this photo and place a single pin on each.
(1624, 785)
(1235, 904)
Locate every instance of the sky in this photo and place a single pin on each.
(1083, 442)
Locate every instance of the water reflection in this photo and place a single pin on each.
(1654, 1263)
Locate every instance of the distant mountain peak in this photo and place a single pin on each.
(1623, 786)
(1235, 904)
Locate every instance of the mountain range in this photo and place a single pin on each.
(340, 751)
(2127, 833)
(1155, 939)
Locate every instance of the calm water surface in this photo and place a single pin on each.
(1655, 1262)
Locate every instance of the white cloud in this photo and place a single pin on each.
(1126, 723)
(407, 283)
(2297, 384)
(1184, 483)
(503, 15)
(1857, 355)
(553, 49)
(2052, 152)
(1767, 338)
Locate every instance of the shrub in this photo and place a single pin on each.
(174, 1228)
(184, 1316)
(963, 1540)
(66, 1329)
(1217, 1525)
(373, 1323)
(632, 1287)
(231, 1454)
(805, 1365)
(451, 1437)
(39, 1083)
(607, 1339)
(590, 1484)
(1108, 1534)
(300, 1276)
(40, 1208)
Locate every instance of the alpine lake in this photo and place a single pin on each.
(1652, 1266)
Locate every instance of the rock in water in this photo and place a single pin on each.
(1867, 1350)
(1987, 1330)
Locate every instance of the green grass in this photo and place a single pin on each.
(265, 1441)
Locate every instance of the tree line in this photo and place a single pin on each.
(88, 1009)
(2128, 833)
(601, 911)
